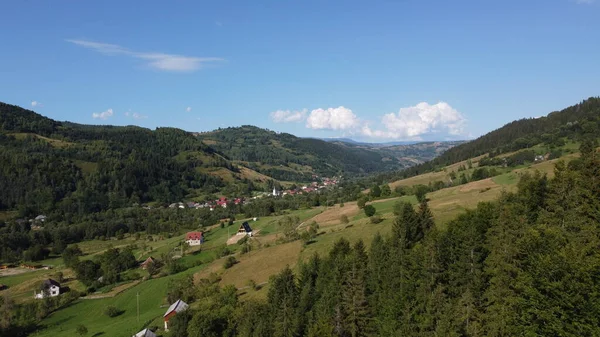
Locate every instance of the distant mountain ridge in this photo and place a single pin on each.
(372, 144)
(287, 157)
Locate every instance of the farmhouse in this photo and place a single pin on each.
(176, 307)
(245, 229)
(145, 264)
(145, 333)
(194, 238)
(50, 288)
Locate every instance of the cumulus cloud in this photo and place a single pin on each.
(36, 104)
(339, 118)
(135, 115)
(159, 61)
(103, 115)
(420, 119)
(188, 109)
(287, 116)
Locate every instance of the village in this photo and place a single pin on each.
(318, 184)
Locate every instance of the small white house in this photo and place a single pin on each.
(50, 288)
(145, 333)
(175, 308)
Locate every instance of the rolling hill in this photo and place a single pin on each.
(51, 166)
(286, 157)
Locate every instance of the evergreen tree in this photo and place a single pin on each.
(283, 298)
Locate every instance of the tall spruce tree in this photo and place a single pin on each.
(283, 298)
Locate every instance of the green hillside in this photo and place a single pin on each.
(277, 154)
(573, 123)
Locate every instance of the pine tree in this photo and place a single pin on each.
(307, 282)
(283, 298)
(406, 227)
(501, 297)
(425, 220)
(355, 306)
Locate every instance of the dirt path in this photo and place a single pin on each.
(114, 292)
(14, 271)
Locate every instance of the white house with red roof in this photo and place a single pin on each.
(194, 238)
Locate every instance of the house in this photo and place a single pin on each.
(176, 307)
(40, 218)
(245, 229)
(50, 288)
(275, 192)
(145, 333)
(194, 238)
(145, 264)
(222, 202)
(539, 158)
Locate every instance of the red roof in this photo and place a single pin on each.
(193, 236)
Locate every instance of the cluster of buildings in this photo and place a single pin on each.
(221, 202)
(315, 186)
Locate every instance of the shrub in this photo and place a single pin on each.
(223, 250)
(81, 330)
(112, 311)
(229, 262)
(369, 210)
(375, 219)
(252, 284)
(344, 219)
(246, 249)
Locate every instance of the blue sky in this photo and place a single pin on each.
(369, 70)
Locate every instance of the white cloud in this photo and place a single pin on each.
(287, 116)
(188, 109)
(160, 61)
(415, 121)
(36, 104)
(135, 115)
(103, 115)
(339, 118)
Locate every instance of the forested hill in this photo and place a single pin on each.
(287, 157)
(573, 122)
(48, 166)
